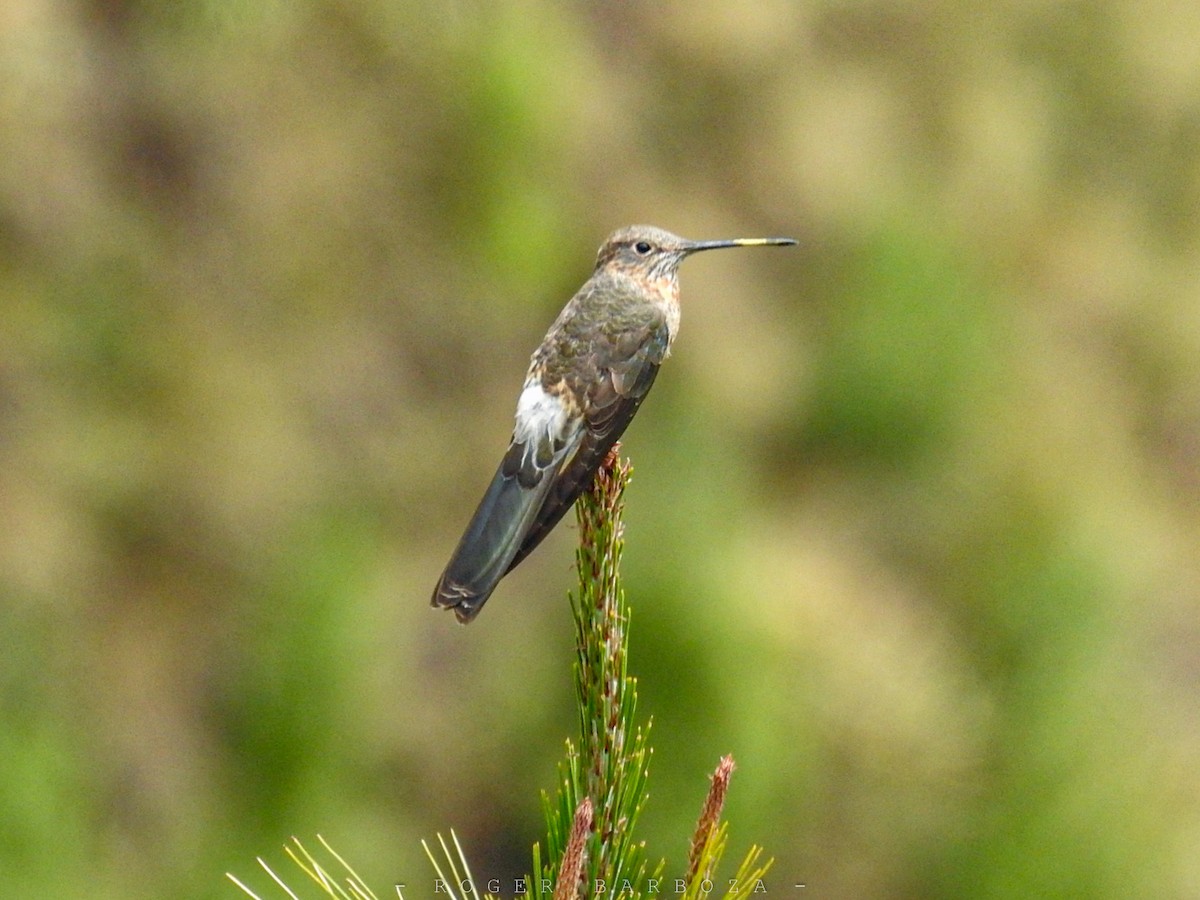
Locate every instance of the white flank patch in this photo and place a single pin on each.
(540, 416)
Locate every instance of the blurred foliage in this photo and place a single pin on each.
(270, 275)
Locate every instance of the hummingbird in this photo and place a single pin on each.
(585, 382)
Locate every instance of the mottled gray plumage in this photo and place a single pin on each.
(585, 382)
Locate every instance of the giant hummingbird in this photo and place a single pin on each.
(585, 382)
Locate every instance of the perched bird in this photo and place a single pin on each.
(585, 382)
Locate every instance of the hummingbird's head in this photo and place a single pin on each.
(642, 251)
(649, 252)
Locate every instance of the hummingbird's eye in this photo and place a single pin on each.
(642, 247)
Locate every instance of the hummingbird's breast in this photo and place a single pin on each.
(664, 293)
(634, 289)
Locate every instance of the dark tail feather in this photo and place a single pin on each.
(490, 542)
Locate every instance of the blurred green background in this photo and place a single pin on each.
(914, 523)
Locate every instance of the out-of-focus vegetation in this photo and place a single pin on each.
(917, 506)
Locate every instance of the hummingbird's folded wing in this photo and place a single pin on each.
(626, 366)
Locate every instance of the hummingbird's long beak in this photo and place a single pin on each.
(697, 246)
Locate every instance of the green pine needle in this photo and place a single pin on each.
(459, 877)
(346, 886)
(602, 782)
(610, 762)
